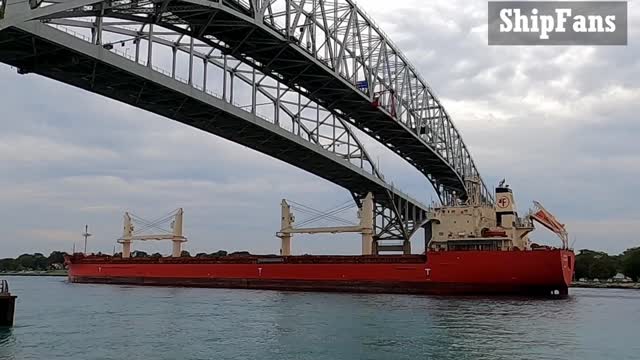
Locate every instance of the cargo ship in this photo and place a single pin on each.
(471, 249)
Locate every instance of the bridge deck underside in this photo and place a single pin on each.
(32, 54)
(325, 87)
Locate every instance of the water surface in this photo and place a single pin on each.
(59, 320)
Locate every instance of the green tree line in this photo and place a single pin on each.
(35, 261)
(599, 265)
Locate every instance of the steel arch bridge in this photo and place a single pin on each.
(289, 78)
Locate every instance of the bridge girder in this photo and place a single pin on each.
(245, 43)
(326, 50)
(146, 88)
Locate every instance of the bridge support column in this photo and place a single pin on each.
(366, 223)
(286, 222)
(428, 234)
(406, 247)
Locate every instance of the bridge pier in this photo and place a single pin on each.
(406, 247)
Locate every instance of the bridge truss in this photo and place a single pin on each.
(289, 78)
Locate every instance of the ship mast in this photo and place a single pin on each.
(86, 236)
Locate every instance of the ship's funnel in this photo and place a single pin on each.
(504, 200)
(505, 207)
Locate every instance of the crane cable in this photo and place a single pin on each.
(328, 214)
(154, 223)
(317, 213)
(314, 212)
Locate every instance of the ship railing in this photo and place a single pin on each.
(4, 287)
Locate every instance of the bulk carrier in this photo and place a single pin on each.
(471, 249)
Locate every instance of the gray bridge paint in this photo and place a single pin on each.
(244, 41)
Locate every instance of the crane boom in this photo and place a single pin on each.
(546, 219)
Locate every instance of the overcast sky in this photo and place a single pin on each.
(559, 123)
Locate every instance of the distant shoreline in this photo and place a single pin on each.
(577, 284)
(605, 285)
(36, 273)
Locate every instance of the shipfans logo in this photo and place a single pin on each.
(557, 23)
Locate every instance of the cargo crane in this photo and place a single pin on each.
(546, 219)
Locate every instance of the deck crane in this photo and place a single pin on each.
(546, 219)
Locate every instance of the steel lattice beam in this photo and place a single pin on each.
(329, 50)
(309, 68)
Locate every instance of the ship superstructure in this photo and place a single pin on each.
(480, 226)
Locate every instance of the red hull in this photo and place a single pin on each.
(453, 272)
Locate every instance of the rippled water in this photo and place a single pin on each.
(58, 320)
